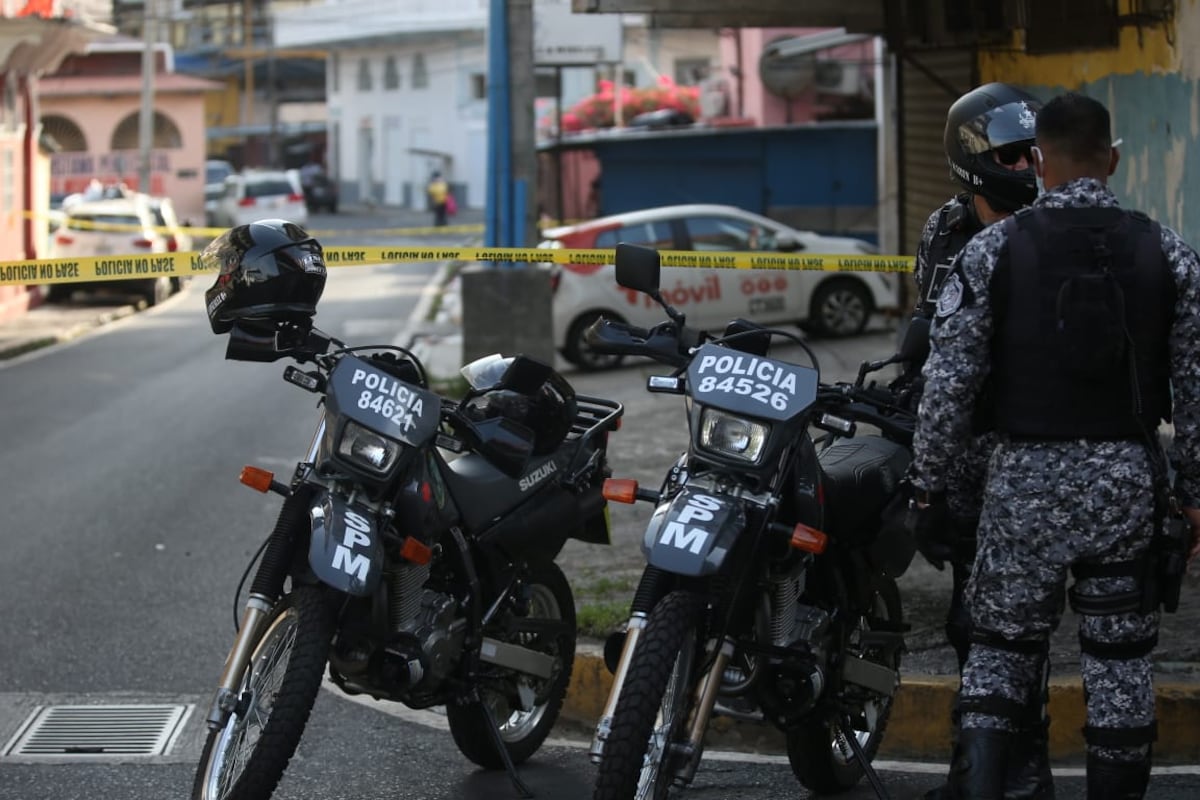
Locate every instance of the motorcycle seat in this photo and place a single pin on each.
(859, 476)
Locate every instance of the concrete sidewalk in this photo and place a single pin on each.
(653, 432)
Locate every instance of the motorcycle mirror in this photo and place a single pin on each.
(914, 347)
(507, 445)
(638, 268)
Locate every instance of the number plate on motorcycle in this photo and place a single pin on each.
(383, 402)
(751, 385)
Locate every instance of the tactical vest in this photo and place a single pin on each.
(955, 226)
(1084, 301)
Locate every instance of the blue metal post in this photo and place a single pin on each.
(498, 227)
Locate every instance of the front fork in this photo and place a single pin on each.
(703, 701)
(258, 607)
(633, 630)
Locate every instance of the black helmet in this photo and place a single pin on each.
(522, 390)
(271, 271)
(993, 121)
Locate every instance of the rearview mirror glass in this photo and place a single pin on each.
(638, 268)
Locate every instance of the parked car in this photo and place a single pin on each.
(129, 225)
(167, 223)
(823, 303)
(320, 192)
(215, 173)
(255, 195)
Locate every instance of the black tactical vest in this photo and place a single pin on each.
(955, 226)
(1084, 301)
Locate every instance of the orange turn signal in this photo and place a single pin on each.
(415, 551)
(620, 490)
(256, 478)
(809, 539)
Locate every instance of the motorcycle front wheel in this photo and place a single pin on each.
(655, 703)
(244, 759)
(547, 597)
(820, 755)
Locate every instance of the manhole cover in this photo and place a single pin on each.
(127, 730)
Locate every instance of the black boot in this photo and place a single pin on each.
(1029, 775)
(1117, 780)
(980, 764)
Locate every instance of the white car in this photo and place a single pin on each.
(256, 195)
(824, 303)
(129, 225)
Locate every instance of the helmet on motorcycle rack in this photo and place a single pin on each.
(270, 271)
(988, 130)
(522, 390)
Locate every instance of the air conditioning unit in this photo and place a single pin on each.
(832, 76)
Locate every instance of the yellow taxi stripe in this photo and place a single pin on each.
(133, 267)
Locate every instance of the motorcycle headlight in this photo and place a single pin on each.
(368, 449)
(732, 436)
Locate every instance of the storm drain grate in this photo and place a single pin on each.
(128, 730)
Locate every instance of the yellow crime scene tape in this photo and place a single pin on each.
(135, 267)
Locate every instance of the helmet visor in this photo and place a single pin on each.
(999, 126)
(486, 372)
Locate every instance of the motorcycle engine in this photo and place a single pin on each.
(425, 645)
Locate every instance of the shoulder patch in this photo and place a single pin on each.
(951, 297)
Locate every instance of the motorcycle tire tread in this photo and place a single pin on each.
(642, 695)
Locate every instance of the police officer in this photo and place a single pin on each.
(1083, 317)
(988, 136)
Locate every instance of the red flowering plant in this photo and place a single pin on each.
(597, 110)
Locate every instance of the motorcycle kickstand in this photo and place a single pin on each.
(847, 730)
(509, 766)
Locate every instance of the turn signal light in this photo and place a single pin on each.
(255, 478)
(415, 551)
(620, 490)
(809, 539)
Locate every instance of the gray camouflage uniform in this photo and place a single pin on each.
(1049, 504)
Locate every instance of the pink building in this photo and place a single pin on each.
(91, 108)
(828, 83)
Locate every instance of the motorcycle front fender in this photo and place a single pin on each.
(344, 550)
(692, 533)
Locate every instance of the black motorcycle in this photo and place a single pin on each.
(770, 592)
(413, 557)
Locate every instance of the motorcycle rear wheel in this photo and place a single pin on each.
(655, 703)
(821, 759)
(523, 732)
(245, 759)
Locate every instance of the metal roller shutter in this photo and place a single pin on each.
(925, 178)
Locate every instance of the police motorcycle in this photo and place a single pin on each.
(770, 592)
(414, 554)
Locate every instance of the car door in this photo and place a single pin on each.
(762, 295)
(633, 306)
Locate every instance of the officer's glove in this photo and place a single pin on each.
(929, 517)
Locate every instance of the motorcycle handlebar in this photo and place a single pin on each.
(871, 405)
(663, 343)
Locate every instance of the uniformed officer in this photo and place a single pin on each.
(1083, 318)
(988, 136)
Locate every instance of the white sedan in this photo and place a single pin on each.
(823, 303)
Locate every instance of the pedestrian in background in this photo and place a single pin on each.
(438, 190)
(1084, 321)
(987, 141)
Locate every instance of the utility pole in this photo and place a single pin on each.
(146, 116)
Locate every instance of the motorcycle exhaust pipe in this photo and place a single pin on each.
(634, 628)
(257, 608)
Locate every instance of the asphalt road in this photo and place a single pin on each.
(124, 535)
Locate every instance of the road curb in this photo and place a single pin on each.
(919, 727)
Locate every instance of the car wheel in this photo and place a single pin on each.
(579, 353)
(159, 291)
(840, 307)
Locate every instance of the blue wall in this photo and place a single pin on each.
(818, 177)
